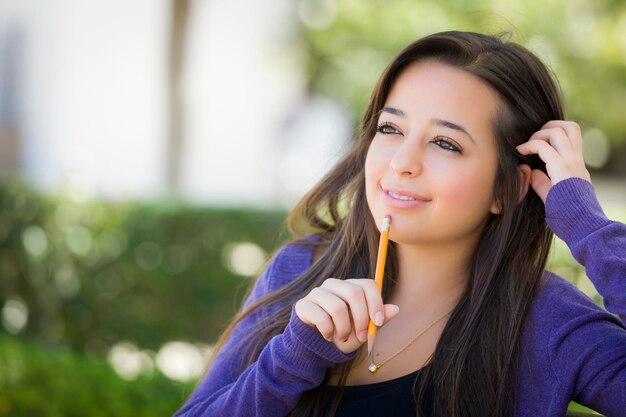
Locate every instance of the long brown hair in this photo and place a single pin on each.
(474, 369)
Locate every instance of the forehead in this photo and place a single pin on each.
(429, 89)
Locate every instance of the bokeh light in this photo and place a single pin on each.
(79, 240)
(128, 361)
(596, 148)
(14, 315)
(245, 258)
(148, 255)
(317, 14)
(35, 241)
(181, 361)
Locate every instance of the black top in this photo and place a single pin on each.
(395, 397)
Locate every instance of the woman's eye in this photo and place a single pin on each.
(447, 145)
(387, 129)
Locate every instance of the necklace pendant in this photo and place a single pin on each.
(373, 368)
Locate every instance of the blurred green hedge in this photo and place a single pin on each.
(93, 273)
(38, 380)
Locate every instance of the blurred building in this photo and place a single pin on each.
(87, 90)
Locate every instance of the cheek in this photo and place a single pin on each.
(374, 165)
(469, 189)
(370, 176)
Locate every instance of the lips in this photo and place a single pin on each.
(402, 199)
(403, 195)
(400, 196)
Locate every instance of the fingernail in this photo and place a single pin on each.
(363, 336)
(379, 318)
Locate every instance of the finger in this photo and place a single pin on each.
(546, 152)
(541, 183)
(354, 296)
(374, 300)
(336, 308)
(557, 166)
(315, 316)
(556, 137)
(572, 130)
(391, 311)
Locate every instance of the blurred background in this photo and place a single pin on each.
(151, 149)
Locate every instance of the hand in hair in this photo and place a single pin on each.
(559, 145)
(341, 310)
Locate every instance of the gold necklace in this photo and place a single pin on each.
(376, 366)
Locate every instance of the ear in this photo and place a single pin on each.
(524, 172)
(496, 207)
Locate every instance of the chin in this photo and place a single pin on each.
(400, 236)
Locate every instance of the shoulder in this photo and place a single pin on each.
(573, 348)
(290, 261)
(287, 264)
(558, 301)
(564, 322)
(556, 289)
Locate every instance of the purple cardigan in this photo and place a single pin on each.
(576, 350)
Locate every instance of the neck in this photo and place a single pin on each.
(431, 278)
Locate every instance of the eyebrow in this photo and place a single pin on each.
(438, 122)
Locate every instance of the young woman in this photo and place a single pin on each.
(464, 145)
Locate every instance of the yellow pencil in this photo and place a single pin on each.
(378, 277)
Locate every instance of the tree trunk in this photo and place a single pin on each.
(175, 141)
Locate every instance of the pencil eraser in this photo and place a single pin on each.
(386, 222)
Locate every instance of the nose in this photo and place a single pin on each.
(408, 158)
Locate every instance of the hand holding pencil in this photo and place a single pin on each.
(341, 309)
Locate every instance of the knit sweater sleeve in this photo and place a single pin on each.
(291, 363)
(599, 244)
(587, 346)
